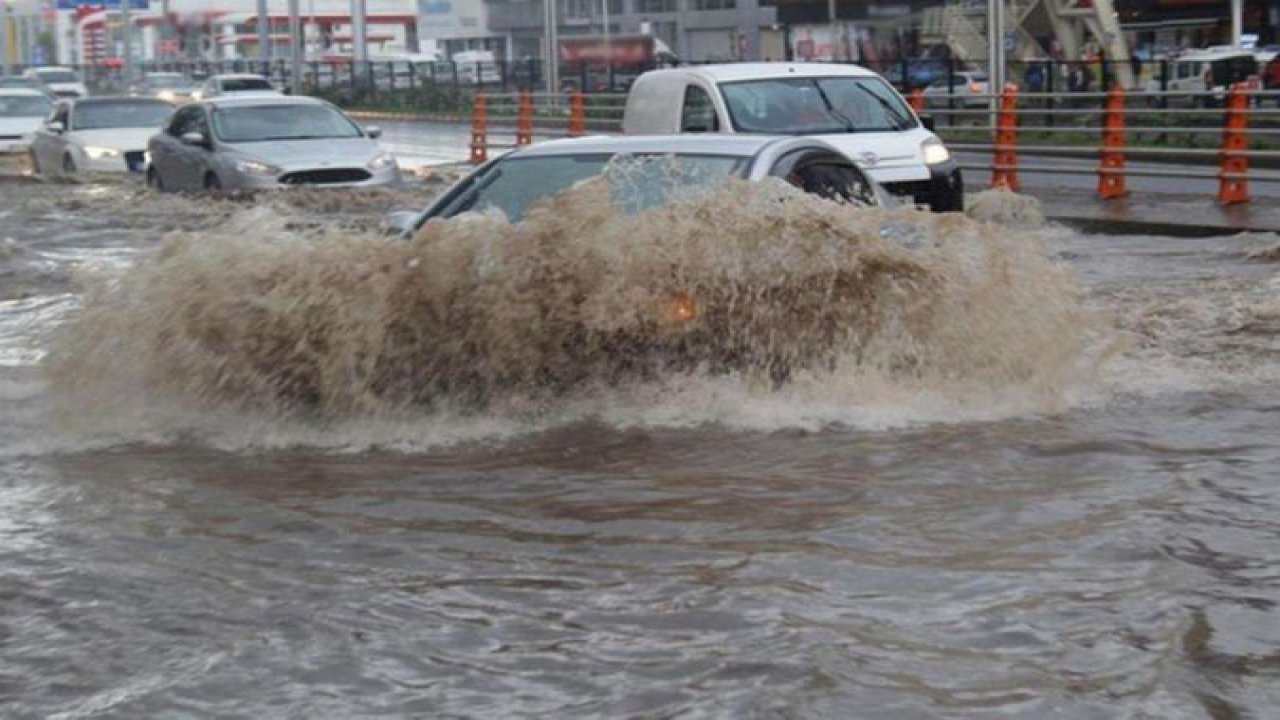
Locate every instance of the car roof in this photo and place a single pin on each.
(43, 68)
(273, 98)
(688, 143)
(114, 99)
(730, 72)
(239, 76)
(22, 92)
(1215, 53)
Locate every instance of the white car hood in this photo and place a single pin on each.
(20, 125)
(122, 139)
(874, 150)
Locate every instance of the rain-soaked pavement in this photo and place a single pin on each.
(1047, 489)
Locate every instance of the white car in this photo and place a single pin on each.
(99, 135)
(849, 107)
(63, 82)
(233, 84)
(22, 112)
(963, 89)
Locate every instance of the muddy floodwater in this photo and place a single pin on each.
(259, 461)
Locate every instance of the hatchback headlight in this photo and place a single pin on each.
(382, 162)
(100, 153)
(257, 167)
(935, 153)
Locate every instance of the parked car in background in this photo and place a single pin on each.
(513, 182)
(97, 134)
(22, 112)
(1205, 75)
(1271, 75)
(233, 84)
(168, 86)
(967, 89)
(63, 82)
(21, 82)
(847, 106)
(254, 142)
(477, 67)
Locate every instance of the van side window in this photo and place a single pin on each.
(698, 113)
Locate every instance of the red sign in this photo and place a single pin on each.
(622, 50)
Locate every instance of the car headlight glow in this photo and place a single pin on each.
(166, 95)
(257, 167)
(935, 153)
(99, 153)
(382, 162)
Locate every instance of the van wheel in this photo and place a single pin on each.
(68, 165)
(153, 179)
(212, 183)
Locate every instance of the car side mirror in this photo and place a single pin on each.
(195, 139)
(373, 131)
(928, 122)
(56, 127)
(400, 222)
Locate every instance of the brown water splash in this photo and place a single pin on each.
(752, 281)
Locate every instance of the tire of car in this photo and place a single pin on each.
(212, 183)
(35, 163)
(68, 165)
(153, 179)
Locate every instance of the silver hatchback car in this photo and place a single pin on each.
(265, 142)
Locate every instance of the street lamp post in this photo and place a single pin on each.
(835, 29)
(6, 18)
(1237, 22)
(551, 52)
(995, 49)
(127, 21)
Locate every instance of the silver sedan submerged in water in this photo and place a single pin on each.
(685, 163)
(266, 142)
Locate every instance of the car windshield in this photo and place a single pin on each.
(244, 84)
(19, 82)
(57, 76)
(120, 114)
(167, 81)
(24, 106)
(259, 123)
(803, 106)
(638, 181)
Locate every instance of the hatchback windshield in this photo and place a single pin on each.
(803, 106)
(638, 181)
(24, 106)
(167, 81)
(258, 123)
(57, 76)
(120, 114)
(243, 84)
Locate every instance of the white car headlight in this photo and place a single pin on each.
(935, 153)
(382, 162)
(100, 153)
(257, 167)
(166, 95)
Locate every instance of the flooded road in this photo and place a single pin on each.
(1099, 541)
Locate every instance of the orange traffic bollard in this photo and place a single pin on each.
(1111, 182)
(577, 115)
(479, 130)
(916, 99)
(1004, 170)
(1233, 185)
(524, 119)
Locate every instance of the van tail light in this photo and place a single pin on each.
(976, 88)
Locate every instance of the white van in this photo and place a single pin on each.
(63, 82)
(847, 106)
(477, 67)
(1208, 73)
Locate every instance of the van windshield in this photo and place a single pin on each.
(808, 106)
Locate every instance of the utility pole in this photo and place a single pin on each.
(264, 33)
(5, 13)
(295, 48)
(127, 21)
(1237, 22)
(359, 36)
(995, 50)
(552, 50)
(835, 29)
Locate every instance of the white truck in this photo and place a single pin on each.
(848, 106)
